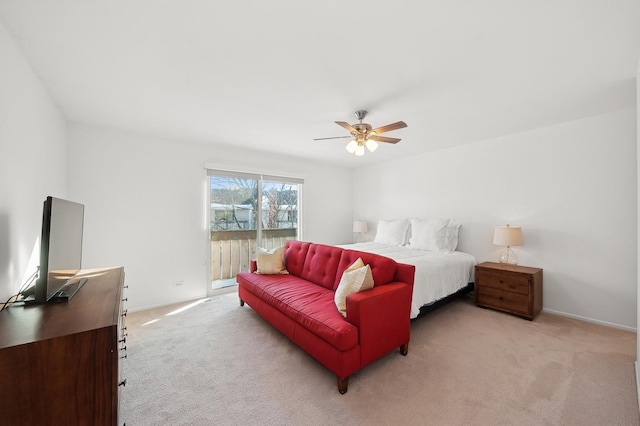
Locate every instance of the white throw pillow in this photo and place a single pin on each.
(355, 278)
(429, 234)
(271, 261)
(392, 232)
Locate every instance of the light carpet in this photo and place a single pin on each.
(217, 363)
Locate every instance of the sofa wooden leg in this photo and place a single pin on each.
(241, 302)
(342, 384)
(404, 349)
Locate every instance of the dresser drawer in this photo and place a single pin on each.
(517, 283)
(505, 300)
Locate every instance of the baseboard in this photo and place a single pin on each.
(161, 305)
(591, 320)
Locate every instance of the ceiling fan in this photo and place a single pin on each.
(362, 134)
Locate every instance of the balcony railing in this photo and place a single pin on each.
(231, 251)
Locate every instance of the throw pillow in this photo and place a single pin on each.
(355, 278)
(271, 261)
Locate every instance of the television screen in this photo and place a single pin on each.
(60, 246)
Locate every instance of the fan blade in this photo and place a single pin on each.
(384, 139)
(347, 126)
(389, 127)
(335, 137)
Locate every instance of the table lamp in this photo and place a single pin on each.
(508, 236)
(359, 227)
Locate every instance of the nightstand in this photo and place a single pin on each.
(513, 289)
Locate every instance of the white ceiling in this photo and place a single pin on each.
(275, 74)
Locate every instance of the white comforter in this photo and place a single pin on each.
(438, 274)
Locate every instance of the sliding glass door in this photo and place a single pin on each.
(248, 211)
(279, 213)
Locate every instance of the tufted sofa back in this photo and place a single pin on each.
(323, 265)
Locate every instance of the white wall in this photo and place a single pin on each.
(572, 187)
(32, 164)
(145, 206)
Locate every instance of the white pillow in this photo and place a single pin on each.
(355, 278)
(451, 239)
(271, 261)
(429, 234)
(392, 232)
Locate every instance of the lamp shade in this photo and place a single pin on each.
(351, 146)
(371, 145)
(507, 236)
(359, 226)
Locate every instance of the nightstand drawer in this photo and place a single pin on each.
(501, 280)
(505, 300)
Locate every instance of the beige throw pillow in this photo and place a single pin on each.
(271, 261)
(355, 278)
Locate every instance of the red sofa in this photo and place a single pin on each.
(301, 305)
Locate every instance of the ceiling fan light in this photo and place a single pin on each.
(360, 150)
(351, 146)
(372, 145)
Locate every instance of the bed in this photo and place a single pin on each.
(429, 245)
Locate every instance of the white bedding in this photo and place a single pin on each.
(438, 274)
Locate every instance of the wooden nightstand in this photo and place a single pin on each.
(513, 289)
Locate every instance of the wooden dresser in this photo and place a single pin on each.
(59, 361)
(513, 289)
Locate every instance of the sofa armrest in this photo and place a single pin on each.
(382, 315)
(405, 273)
(253, 265)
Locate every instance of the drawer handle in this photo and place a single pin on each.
(123, 383)
(123, 356)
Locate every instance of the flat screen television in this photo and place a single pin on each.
(60, 248)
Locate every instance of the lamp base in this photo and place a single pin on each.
(508, 257)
